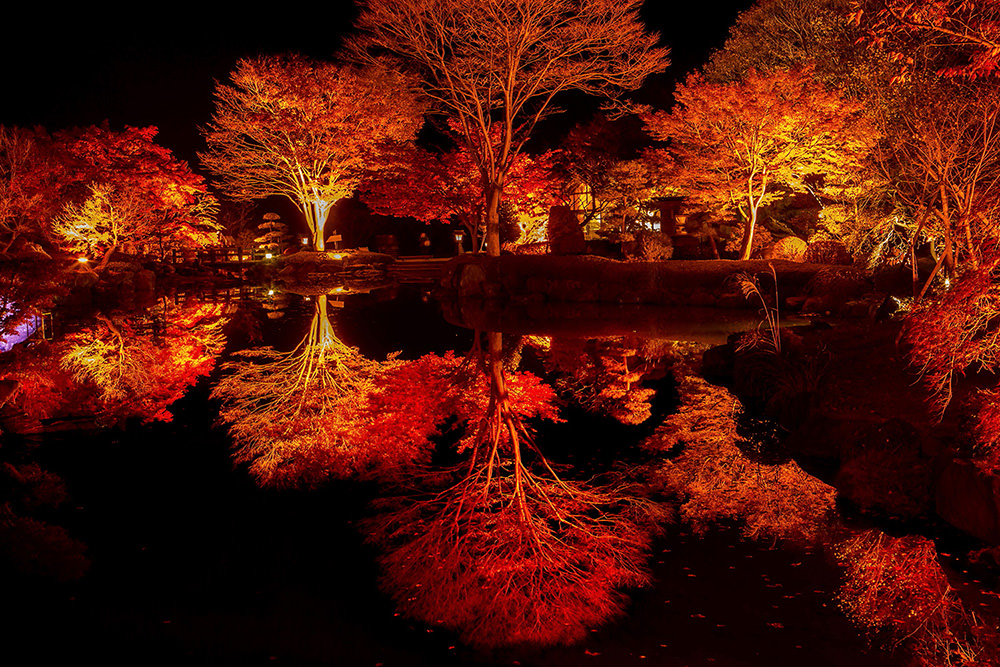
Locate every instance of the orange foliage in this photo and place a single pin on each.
(500, 65)
(733, 143)
(500, 572)
(306, 130)
(121, 367)
(604, 376)
(962, 36)
(895, 587)
(715, 480)
(958, 331)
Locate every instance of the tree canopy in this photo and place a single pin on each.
(502, 64)
(731, 143)
(305, 129)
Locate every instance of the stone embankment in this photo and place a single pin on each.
(836, 290)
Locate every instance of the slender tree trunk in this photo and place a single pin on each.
(748, 231)
(493, 219)
(753, 205)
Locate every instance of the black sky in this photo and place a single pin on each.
(84, 65)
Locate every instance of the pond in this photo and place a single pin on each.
(211, 542)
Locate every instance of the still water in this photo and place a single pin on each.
(209, 545)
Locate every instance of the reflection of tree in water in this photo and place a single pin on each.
(604, 375)
(715, 481)
(119, 366)
(29, 543)
(502, 549)
(894, 588)
(111, 369)
(291, 414)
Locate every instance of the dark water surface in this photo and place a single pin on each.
(193, 563)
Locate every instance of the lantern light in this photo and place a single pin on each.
(82, 260)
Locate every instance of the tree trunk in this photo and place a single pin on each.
(106, 258)
(493, 191)
(748, 231)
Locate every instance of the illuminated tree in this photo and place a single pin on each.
(47, 178)
(941, 159)
(305, 130)
(731, 144)
(18, 155)
(958, 331)
(441, 185)
(108, 218)
(783, 34)
(960, 38)
(501, 64)
(510, 553)
(135, 170)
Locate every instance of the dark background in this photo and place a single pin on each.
(84, 64)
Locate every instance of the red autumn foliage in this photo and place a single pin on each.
(542, 571)
(175, 204)
(896, 589)
(118, 368)
(986, 429)
(324, 411)
(962, 37)
(733, 144)
(510, 553)
(716, 482)
(957, 331)
(603, 375)
(426, 185)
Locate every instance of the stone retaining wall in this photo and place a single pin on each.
(529, 279)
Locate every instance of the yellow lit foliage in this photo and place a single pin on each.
(716, 482)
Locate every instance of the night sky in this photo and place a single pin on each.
(84, 65)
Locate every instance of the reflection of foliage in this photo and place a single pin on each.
(142, 374)
(117, 362)
(30, 545)
(510, 553)
(717, 482)
(284, 409)
(503, 565)
(604, 376)
(896, 587)
(118, 368)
